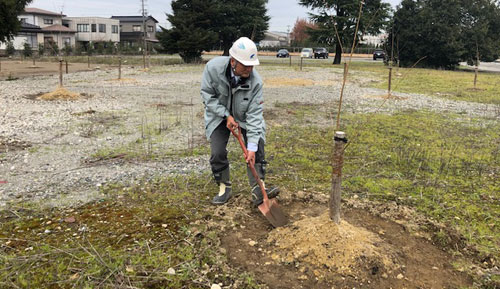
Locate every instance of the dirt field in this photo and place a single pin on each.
(117, 163)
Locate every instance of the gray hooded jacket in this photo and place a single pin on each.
(247, 100)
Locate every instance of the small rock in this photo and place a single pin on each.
(70, 219)
(164, 225)
(385, 276)
(400, 276)
(435, 268)
(252, 243)
(171, 271)
(46, 231)
(215, 286)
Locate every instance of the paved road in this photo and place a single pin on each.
(485, 66)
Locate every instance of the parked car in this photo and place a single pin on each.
(283, 53)
(320, 52)
(306, 53)
(378, 53)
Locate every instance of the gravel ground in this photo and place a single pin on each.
(51, 151)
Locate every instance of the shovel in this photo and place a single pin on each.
(269, 208)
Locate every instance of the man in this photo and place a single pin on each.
(232, 94)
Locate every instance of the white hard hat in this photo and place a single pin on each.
(245, 51)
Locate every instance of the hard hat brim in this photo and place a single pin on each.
(244, 62)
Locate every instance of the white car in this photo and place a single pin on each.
(306, 53)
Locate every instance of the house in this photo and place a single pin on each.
(93, 29)
(275, 39)
(132, 30)
(29, 33)
(374, 40)
(40, 26)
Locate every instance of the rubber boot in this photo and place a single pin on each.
(225, 191)
(257, 198)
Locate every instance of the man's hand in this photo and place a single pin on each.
(231, 124)
(250, 158)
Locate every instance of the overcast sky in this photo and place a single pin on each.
(283, 12)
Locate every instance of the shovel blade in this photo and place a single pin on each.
(273, 213)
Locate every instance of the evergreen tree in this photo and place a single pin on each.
(441, 33)
(342, 16)
(191, 32)
(9, 24)
(481, 31)
(236, 19)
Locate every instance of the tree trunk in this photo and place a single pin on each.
(338, 54)
(226, 51)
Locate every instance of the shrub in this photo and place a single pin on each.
(10, 49)
(27, 52)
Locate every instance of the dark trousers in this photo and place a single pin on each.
(218, 156)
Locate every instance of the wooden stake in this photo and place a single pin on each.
(475, 77)
(66, 66)
(337, 163)
(301, 58)
(0, 64)
(60, 73)
(88, 61)
(290, 60)
(389, 85)
(120, 68)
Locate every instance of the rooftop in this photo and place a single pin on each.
(41, 11)
(132, 18)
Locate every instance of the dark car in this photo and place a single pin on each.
(378, 53)
(320, 52)
(283, 53)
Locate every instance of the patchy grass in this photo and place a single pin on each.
(456, 85)
(134, 238)
(445, 166)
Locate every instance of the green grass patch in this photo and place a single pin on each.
(130, 239)
(456, 85)
(445, 167)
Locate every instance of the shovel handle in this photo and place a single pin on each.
(252, 167)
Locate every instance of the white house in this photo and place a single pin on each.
(94, 29)
(40, 26)
(275, 39)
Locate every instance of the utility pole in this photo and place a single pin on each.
(288, 35)
(143, 34)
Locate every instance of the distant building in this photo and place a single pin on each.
(132, 30)
(275, 39)
(375, 40)
(40, 26)
(94, 29)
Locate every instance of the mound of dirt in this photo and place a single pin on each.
(60, 93)
(324, 244)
